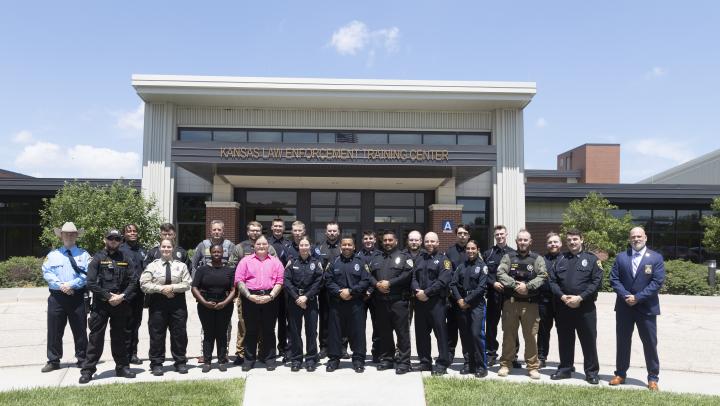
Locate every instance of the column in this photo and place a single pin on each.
(158, 175)
(508, 174)
(439, 214)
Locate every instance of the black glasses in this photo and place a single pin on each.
(113, 238)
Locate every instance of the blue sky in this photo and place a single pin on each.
(640, 73)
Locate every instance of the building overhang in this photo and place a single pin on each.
(374, 94)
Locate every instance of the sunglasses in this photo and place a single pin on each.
(114, 238)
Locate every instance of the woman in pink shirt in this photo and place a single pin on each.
(259, 279)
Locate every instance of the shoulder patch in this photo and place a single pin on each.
(447, 264)
(485, 269)
(367, 268)
(599, 263)
(409, 262)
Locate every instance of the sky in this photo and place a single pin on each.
(644, 74)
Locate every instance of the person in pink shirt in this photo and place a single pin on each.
(259, 280)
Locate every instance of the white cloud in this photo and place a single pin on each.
(22, 137)
(656, 72)
(45, 159)
(132, 120)
(355, 37)
(541, 123)
(675, 151)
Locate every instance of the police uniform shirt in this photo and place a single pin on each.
(551, 261)
(492, 258)
(470, 282)
(366, 255)
(112, 272)
(529, 268)
(327, 251)
(579, 274)
(303, 275)
(245, 249)
(412, 255)
(432, 274)
(347, 273)
(136, 251)
(154, 277)
(456, 254)
(57, 268)
(280, 245)
(202, 253)
(394, 267)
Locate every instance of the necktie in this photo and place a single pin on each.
(635, 262)
(167, 273)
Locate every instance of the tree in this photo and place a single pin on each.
(97, 209)
(711, 240)
(601, 230)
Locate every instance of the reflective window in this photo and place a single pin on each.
(405, 139)
(272, 197)
(335, 198)
(195, 135)
(371, 138)
(439, 139)
(264, 136)
(230, 136)
(473, 139)
(386, 215)
(339, 214)
(395, 199)
(300, 138)
(472, 204)
(326, 138)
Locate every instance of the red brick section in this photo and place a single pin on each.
(229, 215)
(538, 231)
(436, 219)
(598, 163)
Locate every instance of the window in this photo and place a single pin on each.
(473, 139)
(264, 136)
(371, 138)
(191, 219)
(405, 139)
(195, 135)
(230, 136)
(439, 139)
(300, 138)
(475, 216)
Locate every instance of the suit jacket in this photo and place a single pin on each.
(645, 285)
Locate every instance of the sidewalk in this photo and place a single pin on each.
(688, 331)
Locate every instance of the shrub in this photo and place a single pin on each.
(681, 278)
(20, 272)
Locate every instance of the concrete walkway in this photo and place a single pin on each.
(688, 336)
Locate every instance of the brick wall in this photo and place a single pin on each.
(435, 224)
(229, 215)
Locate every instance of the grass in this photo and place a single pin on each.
(453, 391)
(201, 392)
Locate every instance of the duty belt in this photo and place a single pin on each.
(260, 292)
(532, 299)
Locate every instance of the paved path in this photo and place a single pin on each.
(688, 342)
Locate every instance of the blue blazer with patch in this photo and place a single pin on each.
(645, 285)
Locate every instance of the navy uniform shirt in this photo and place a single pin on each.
(347, 273)
(551, 261)
(367, 255)
(456, 254)
(413, 255)
(280, 245)
(492, 258)
(303, 277)
(394, 267)
(432, 274)
(470, 282)
(579, 274)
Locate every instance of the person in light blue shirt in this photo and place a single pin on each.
(64, 270)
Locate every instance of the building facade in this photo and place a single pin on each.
(370, 154)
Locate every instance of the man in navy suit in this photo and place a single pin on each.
(636, 277)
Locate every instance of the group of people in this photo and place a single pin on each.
(328, 288)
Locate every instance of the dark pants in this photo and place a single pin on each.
(582, 320)
(471, 323)
(167, 314)
(215, 324)
(259, 322)
(134, 322)
(323, 312)
(283, 345)
(375, 346)
(346, 318)
(546, 307)
(62, 309)
(453, 331)
(296, 315)
(625, 322)
(392, 316)
(430, 316)
(492, 319)
(102, 314)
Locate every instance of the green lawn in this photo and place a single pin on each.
(201, 392)
(454, 391)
